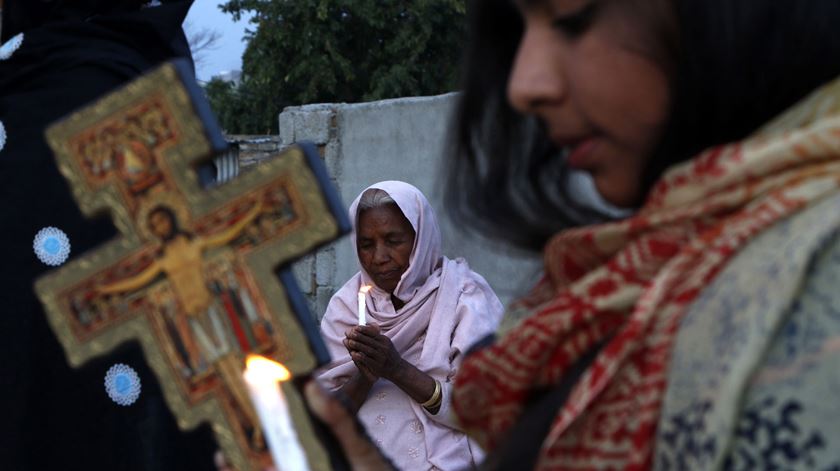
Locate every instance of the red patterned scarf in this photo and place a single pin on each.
(630, 282)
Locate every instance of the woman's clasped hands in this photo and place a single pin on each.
(373, 353)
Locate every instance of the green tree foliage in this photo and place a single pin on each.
(233, 108)
(318, 51)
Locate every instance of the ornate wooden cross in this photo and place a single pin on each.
(192, 275)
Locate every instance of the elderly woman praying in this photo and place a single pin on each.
(423, 311)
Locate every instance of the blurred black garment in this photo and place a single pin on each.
(54, 417)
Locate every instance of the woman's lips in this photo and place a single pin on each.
(579, 155)
(387, 275)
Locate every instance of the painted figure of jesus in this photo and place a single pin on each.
(199, 325)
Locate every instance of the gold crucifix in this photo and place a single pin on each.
(192, 275)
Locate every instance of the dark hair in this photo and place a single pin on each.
(173, 219)
(736, 64)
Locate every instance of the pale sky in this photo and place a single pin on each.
(227, 55)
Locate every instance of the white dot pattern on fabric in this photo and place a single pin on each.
(2, 135)
(414, 453)
(381, 396)
(380, 419)
(122, 384)
(415, 426)
(9, 47)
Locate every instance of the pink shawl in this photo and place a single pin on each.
(447, 308)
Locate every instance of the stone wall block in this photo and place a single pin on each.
(304, 271)
(325, 268)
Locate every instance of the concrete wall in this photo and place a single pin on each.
(400, 139)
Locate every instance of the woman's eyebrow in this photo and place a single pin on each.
(396, 234)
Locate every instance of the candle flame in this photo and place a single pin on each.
(266, 368)
(365, 289)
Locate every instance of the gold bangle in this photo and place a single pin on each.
(434, 407)
(435, 399)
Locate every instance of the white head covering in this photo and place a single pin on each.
(426, 253)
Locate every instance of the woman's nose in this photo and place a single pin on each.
(380, 254)
(536, 77)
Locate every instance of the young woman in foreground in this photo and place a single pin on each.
(680, 335)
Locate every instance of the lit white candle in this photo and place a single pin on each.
(362, 308)
(263, 376)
